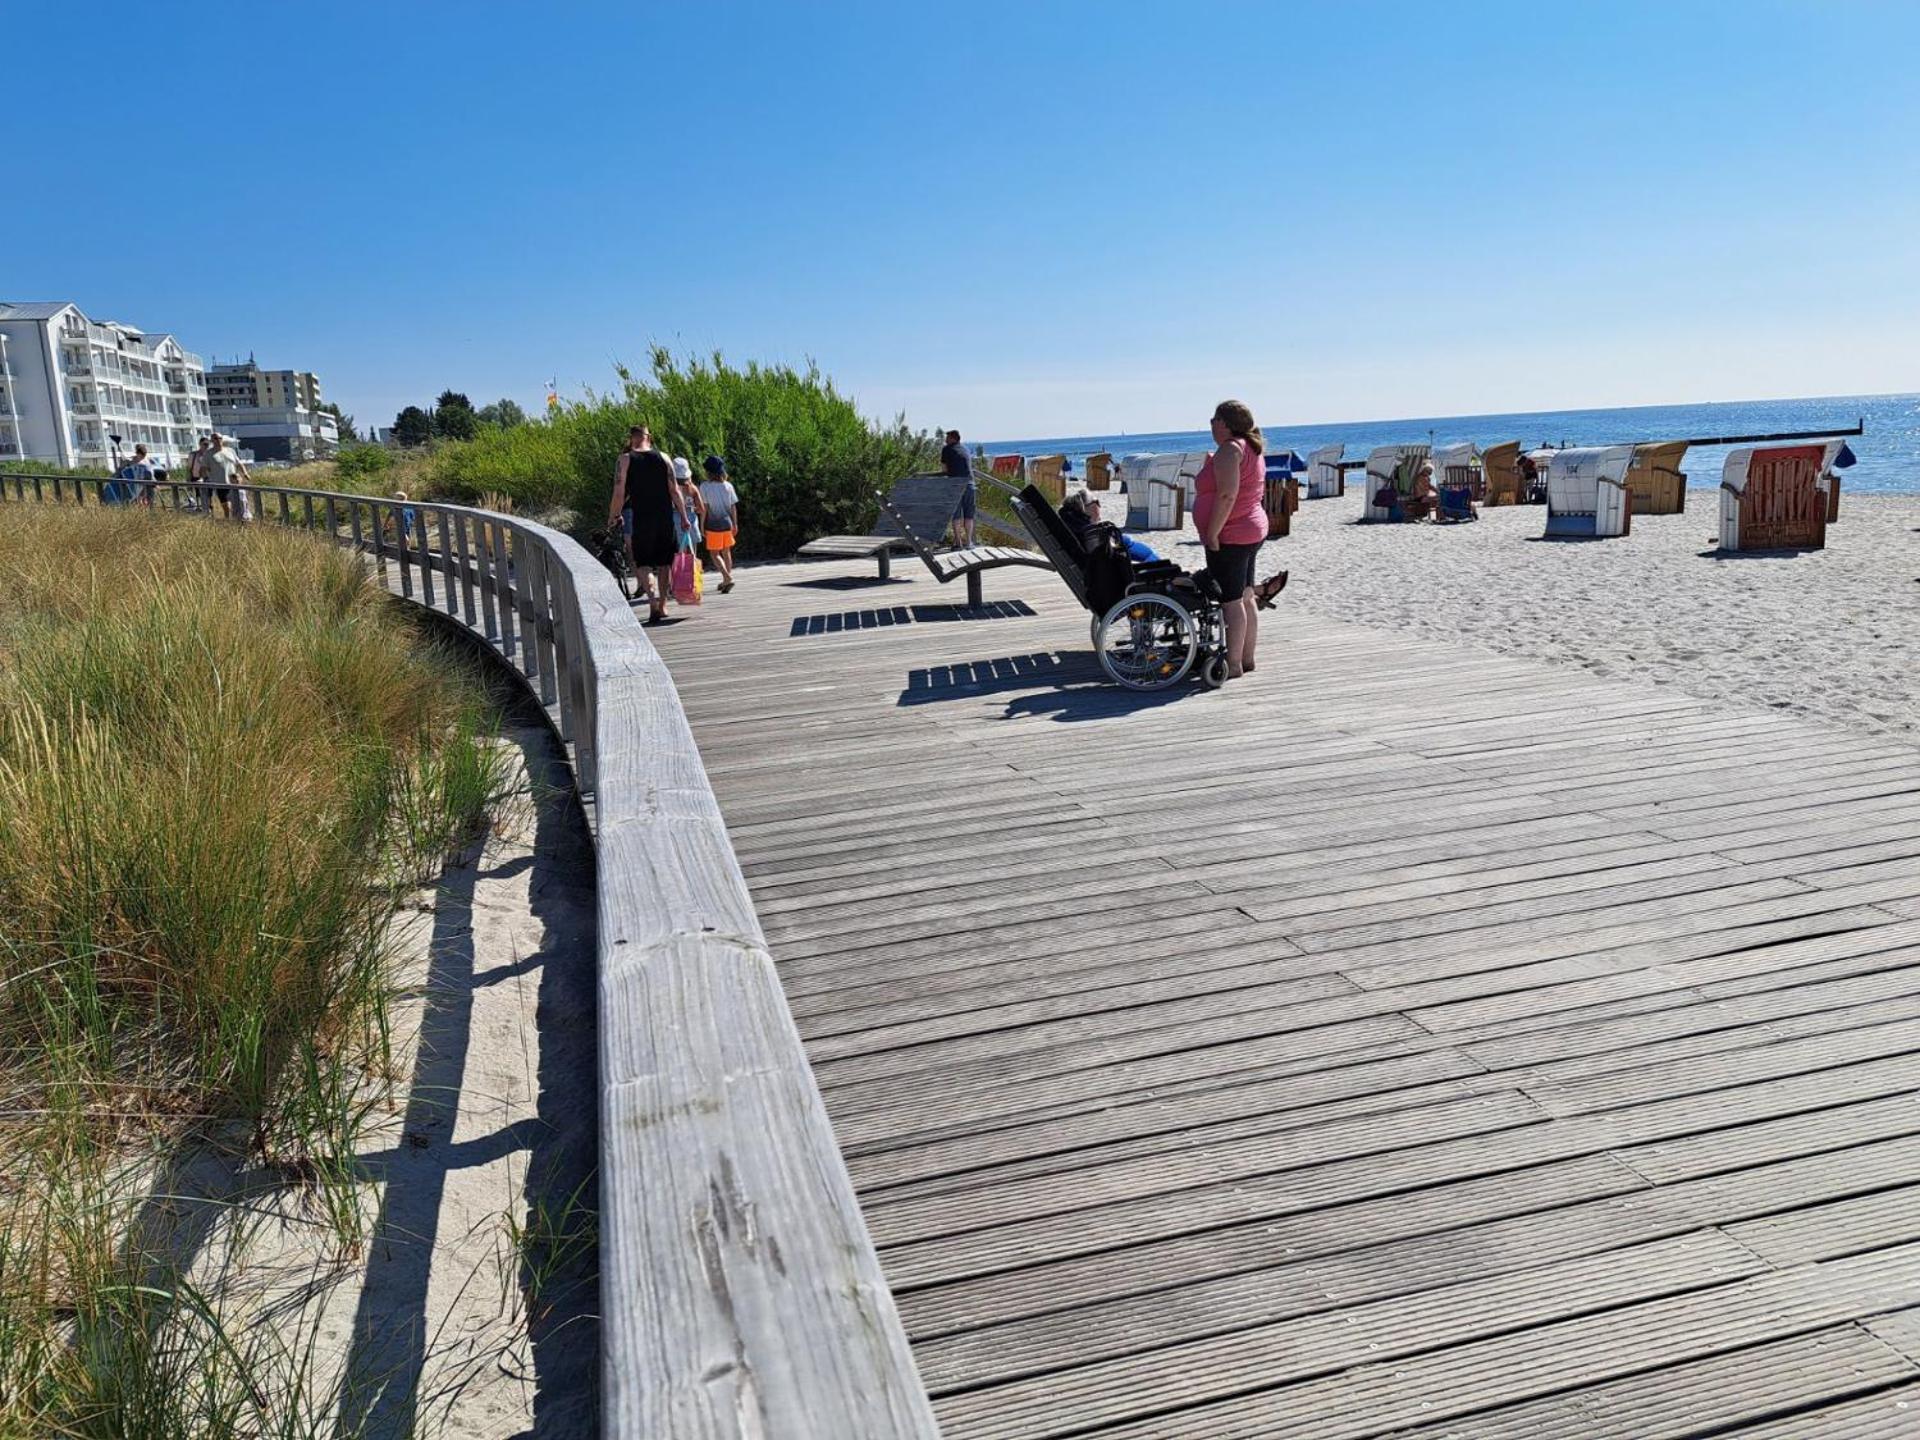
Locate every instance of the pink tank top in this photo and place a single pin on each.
(1246, 522)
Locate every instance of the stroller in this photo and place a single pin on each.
(1164, 624)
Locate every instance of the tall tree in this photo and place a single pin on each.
(453, 417)
(343, 422)
(413, 426)
(502, 414)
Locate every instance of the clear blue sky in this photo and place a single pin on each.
(1024, 220)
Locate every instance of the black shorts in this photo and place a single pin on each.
(1232, 568)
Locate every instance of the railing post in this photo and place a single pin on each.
(466, 567)
(483, 563)
(306, 498)
(586, 735)
(560, 606)
(450, 596)
(38, 494)
(333, 522)
(506, 583)
(537, 627)
(425, 557)
(58, 496)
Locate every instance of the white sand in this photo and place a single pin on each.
(1832, 634)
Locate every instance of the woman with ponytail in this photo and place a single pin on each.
(1228, 508)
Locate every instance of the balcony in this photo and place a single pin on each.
(84, 407)
(77, 365)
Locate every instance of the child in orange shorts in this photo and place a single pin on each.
(723, 517)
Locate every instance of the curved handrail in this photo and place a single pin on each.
(740, 1293)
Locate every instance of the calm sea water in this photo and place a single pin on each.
(1889, 451)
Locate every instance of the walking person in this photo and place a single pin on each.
(197, 473)
(956, 463)
(646, 500)
(723, 517)
(1232, 521)
(229, 472)
(694, 520)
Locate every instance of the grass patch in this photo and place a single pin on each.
(225, 756)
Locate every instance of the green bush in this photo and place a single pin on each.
(362, 462)
(803, 458)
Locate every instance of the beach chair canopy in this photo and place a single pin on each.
(1282, 463)
(1446, 456)
(1323, 471)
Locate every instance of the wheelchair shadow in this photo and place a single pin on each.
(1067, 686)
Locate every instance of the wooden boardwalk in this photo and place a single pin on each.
(1405, 1040)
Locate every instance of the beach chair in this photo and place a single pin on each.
(1459, 481)
(1100, 470)
(1282, 496)
(949, 565)
(1500, 474)
(1389, 477)
(1010, 468)
(1778, 498)
(1324, 475)
(1587, 497)
(926, 501)
(1159, 488)
(1654, 478)
(1047, 474)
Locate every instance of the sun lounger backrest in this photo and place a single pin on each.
(1587, 491)
(1056, 542)
(925, 502)
(1777, 498)
(1500, 465)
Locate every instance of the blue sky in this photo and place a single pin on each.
(1024, 220)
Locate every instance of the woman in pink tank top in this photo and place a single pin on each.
(1229, 508)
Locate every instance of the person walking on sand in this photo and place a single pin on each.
(723, 517)
(647, 501)
(957, 464)
(229, 472)
(1232, 521)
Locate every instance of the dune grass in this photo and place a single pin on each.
(225, 757)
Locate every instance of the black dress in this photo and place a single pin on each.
(650, 504)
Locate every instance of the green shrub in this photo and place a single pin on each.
(362, 464)
(803, 458)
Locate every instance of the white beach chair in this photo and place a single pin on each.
(1324, 475)
(1390, 467)
(1160, 487)
(1779, 498)
(1587, 496)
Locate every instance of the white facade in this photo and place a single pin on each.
(69, 384)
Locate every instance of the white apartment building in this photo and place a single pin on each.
(69, 385)
(275, 414)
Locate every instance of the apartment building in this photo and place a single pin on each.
(275, 414)
(70, 385)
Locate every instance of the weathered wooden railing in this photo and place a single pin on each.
(740, 1294)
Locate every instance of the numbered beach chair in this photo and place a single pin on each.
(1389, 480)
(1655, 480)
(1778, 498)
(1587, 496)
(1500, 482)
(1324, 475)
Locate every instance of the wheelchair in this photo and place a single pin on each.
(1168, 625)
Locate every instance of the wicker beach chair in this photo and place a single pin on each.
(1047, 474)
(1100, 470)
(1389, 477)
(1324, 475)
(1500, 474)
(1655, 480)
(1778, 498)
(1587, 497)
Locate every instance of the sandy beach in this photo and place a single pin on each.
(1831, 634)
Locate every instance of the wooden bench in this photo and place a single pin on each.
(970, 563)
(927, 502)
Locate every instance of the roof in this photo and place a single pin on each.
(33, 309)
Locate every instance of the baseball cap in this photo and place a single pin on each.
(714, 465)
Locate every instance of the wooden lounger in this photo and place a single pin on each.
(927, 501)
(949, 565)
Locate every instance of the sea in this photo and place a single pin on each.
(1888, 451)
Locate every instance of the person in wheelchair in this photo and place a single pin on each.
(1081, 512)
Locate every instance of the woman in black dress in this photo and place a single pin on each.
(647, 502)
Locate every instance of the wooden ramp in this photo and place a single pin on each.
(1402, 1041)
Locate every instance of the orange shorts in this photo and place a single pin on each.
(719, 539)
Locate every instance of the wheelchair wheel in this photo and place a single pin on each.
(1214, 672)
(1147, 642)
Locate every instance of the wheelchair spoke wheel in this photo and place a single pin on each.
(1147, 642)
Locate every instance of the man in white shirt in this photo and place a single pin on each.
(227, 471)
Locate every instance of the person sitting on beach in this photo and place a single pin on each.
(1423, 499)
